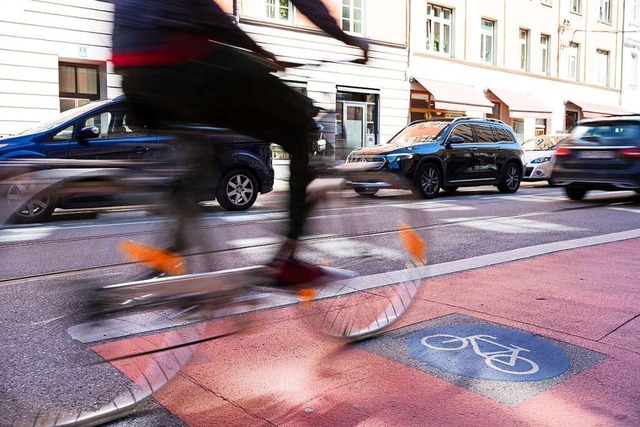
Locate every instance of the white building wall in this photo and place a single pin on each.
(34, 36)
(631, 58)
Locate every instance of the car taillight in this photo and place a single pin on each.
(634, 153)
(562, 151)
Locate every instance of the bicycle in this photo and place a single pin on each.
(352, 308)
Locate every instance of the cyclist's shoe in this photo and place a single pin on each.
(292, 274)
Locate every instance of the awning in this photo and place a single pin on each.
(453, 96)
(593, 111)
(522, 105)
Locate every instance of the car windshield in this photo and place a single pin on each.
(63, 117)
(543, 142)
(419, 133)
(607, 133)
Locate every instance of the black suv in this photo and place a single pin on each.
(446, 153)
(101, 131)
(600, 154)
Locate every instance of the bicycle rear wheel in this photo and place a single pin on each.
(382, 244)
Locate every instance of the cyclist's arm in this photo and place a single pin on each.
(318, 13)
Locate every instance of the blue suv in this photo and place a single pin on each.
(429, 155)
(101, 130)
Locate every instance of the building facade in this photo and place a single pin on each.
(539, 65)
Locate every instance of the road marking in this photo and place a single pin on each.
(626, 209)
(435, 207)
(513, 225)
(92, 332)
(27, 234)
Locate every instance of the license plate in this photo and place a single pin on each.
(597, 154)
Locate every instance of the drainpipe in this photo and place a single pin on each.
(624, 24)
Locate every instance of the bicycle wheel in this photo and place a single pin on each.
(444, 342)
(380, 243)
(55, 348)
(521, 365)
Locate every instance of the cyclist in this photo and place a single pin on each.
(185, 61)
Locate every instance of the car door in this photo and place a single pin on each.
(485, 155)
(505, 142)
(116, 138)
(459, 153)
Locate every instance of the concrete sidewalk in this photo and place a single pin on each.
(584, 303)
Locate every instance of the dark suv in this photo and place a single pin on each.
(446, 153)
(600, 154)
(101, 131)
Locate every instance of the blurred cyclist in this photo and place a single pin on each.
(186, 62)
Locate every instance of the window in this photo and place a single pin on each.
(635, 12)
(544, 54)
(79, 84)
(576, 6)
(352, 16)
(605, 11)
(65, 134)
(503, 135)
(279, 10)
(487, 41)
(357, 120)
(464, 131)
(634, 68)
(484, 133)
(524, 49)
(439, 29)
(602, 59)
(102, 121)
(572, 61)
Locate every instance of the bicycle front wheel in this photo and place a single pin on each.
(378, 240)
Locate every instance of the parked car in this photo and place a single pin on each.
(100, 130)
(600, 154)
(539, 155)
(446, 153)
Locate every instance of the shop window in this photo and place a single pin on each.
(79, 84)
(541, 127)
(518, 128)
(570, 120)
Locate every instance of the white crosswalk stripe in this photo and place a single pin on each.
(513, 225)
(435, 207)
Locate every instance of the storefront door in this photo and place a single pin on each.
(355, 124)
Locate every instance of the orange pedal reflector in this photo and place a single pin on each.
(149, 256)
(307, 294)
(413, 243)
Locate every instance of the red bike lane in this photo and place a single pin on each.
(585, 302)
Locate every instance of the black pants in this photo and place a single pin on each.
(230, 89)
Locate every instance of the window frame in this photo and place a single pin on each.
(431, 22)
(574, 47)
(575, 6)
(604, 12)
(545, 54)
(605, 55)
(484, 34)
(524, 45)
(352, 19)
(276, 8)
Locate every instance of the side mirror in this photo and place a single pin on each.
(89, 132)
(454, 140)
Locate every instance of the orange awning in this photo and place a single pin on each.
(522, 105)
(593, 111)
(456, 97)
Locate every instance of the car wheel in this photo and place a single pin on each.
(37, 209)
(449, 188)
(575, 193)
(238, 190)
(366, 191)
(428, 180)
(511, 178)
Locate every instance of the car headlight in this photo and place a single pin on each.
(541, 160)
(392, 158)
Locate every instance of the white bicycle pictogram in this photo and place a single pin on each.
(499, 360)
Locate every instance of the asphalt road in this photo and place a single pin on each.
(42, 264)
